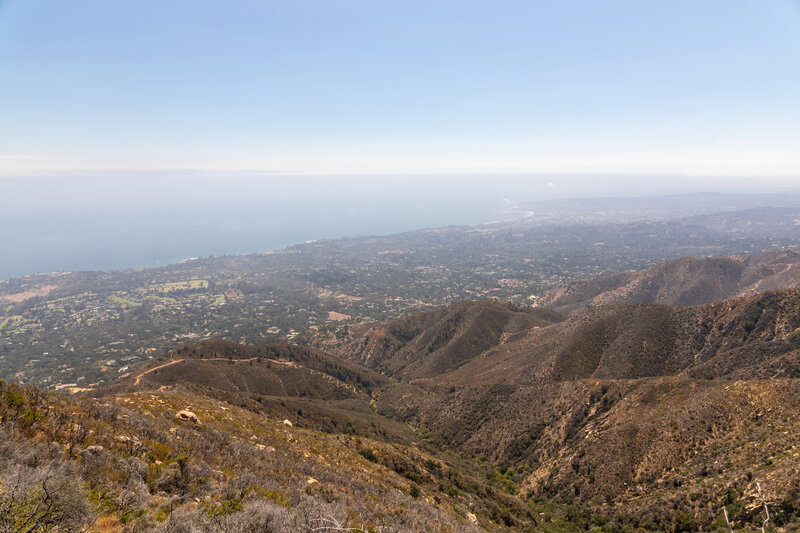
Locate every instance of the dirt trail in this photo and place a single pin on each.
(285, 363)
(175, 361)
(139, 377)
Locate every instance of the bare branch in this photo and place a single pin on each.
(766, 509)
(730, 528)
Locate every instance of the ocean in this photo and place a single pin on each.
(92, 234)
(135, 220)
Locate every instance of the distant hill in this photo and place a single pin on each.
(749, 337)
(685, 281)
(670, 207)
(764, 221)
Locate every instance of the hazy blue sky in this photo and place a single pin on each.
(367, 86)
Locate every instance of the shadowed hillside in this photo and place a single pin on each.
(274, 370)
(435, 342)
(309, 387)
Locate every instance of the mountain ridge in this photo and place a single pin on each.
(683, 281)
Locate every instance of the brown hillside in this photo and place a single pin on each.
(307, 386)
(664, 414)
(686, 281)
(645, 448)
(126, 463)
(274, 369)
(644, 414)
(434, 342)
(749, 337)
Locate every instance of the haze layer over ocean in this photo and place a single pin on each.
(134, 220)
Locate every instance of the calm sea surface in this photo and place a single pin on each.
(48, 242)
(133, 220)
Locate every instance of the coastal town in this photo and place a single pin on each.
(86, 329)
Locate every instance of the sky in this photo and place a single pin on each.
(360, 87)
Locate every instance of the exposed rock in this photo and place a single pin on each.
(187, 416)
(287, 422)
(123, 439)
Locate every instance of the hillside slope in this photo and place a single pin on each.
(435, 342)
(749, 337)
(630, 409)
(662, 454)
(126, 463)
(628, 417)
(685, 281)
(273, 369)
(281, 381)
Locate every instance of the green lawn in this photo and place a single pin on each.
(180, 285)
(8, 320)
(125, 301)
